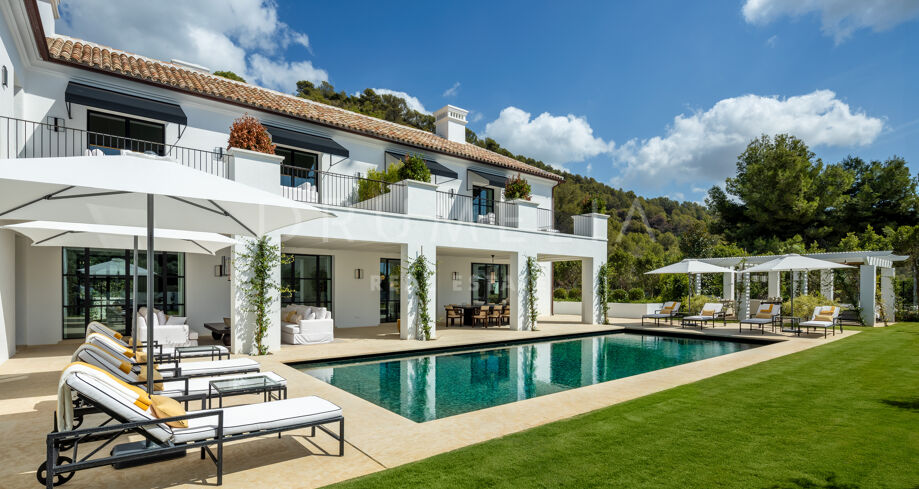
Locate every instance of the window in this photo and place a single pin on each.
(97, 287)
(483, 201)
(489, 283)
(310, 279)
(112, 133)
(298, 167)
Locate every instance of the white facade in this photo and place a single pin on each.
(414, 218)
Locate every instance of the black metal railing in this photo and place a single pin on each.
(27, 139)
(320, 187)
(455, 207)
(562, 222)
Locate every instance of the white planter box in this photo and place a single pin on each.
(566, 307)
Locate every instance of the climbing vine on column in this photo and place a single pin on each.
(421, 271)
(259, 287)
(533, 273)
(603, 290)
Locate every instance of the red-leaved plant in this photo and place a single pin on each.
(248, 133)
(517, 188)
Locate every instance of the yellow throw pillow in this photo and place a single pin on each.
(666, 310)
(157, 377)
(708, 312)
(125, 367)
(765, 313)
(118, 335)
(824, 317)
(827, 311)
(167, 407)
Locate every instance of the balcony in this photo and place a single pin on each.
(553, 221)
(26, 139)
(456, 207)
(320, 187)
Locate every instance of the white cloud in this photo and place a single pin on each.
(243, 36)
(554, 139)
(771, 41)
(839, 18)
(412, 102)
(703, 146)
(476, 116)
(451, 92)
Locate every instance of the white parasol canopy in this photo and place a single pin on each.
(794, 263)
(127, 189)
(690, 267)
(50, 233)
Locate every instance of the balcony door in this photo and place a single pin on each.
(112, 133)
(483, 202)
(390, 276)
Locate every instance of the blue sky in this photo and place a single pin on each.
(656, 97)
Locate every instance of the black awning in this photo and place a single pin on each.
(297, 139)
(435, 167)
(493, 180)
(77, 93)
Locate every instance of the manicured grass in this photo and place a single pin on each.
(842, 415)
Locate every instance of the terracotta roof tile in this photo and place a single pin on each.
(105, 59)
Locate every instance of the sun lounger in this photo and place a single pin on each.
(710, 312)
(168, 368)
(168, 351)
(766, 315)
(823, 317)
(134, 412)
(668, 311)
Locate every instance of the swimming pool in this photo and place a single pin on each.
(423, 388)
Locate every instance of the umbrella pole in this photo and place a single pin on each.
(133, 317)
(150, 259)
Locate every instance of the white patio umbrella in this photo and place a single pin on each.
(794, 263)
(125, 189)
(64, 234)
(690, 267)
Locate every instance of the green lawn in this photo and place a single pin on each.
(842, 415)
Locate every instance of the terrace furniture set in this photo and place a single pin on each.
(769, 314)
(106, 377)
(485, 315)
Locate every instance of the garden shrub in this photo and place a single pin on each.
(560, 293)
(636, 295)
(517, 188)
(413, 168)
(619, 295)
(574, 293)
(248, 133)
(805, 304)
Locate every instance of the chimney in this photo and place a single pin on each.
(450, 123)
(48, 11)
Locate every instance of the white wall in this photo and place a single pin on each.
(207, 298)
(7, 295)
(39, 294)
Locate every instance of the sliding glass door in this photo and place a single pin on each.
(489, 283)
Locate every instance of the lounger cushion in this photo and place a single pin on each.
(263, 416)
(818, 324)
(200, 385)
(116, 399)
(215, 367)
(290, 328)
(699, 318)
(656, 315)
(757, 320)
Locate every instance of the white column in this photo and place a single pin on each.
(803, 276)
(409, 307)
(826, 283)
(867, 285)
(888, 298)
(697, 281)
(774, 289)
(743, 309)
(728, 281)
(8, 294)
(242, 324)
(591, 312)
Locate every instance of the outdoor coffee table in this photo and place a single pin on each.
(201, 351)
(237, 386)
(219, 331)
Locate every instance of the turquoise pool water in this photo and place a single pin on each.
(423, 388)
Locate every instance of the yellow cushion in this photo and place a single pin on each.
(708, 312)
(157, 376)
(765, 312)
(125, 367)
(824, 317)
(140, 356)
(143, 400)
(292, 317)
(167, 407)
(666, 310)
(827, 310)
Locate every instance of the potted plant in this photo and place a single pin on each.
(517, 188)
(414, 168)
(248, 133)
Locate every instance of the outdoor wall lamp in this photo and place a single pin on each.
(358, 273)
(4, 76)
(455, 276)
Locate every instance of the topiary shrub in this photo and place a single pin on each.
(560, 294)
(619, 295)
(636, 295)
(574, 294)
(248, 133)
(517, 188)
(413, 168)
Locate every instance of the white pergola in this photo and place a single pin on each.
(868, 262)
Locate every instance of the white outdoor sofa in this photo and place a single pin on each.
(766, 315)
(306, 325)
(710, 312)
(668, 311)
(133, 413)
(823, 317)
(169, 331)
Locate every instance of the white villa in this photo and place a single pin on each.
(60, 97)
